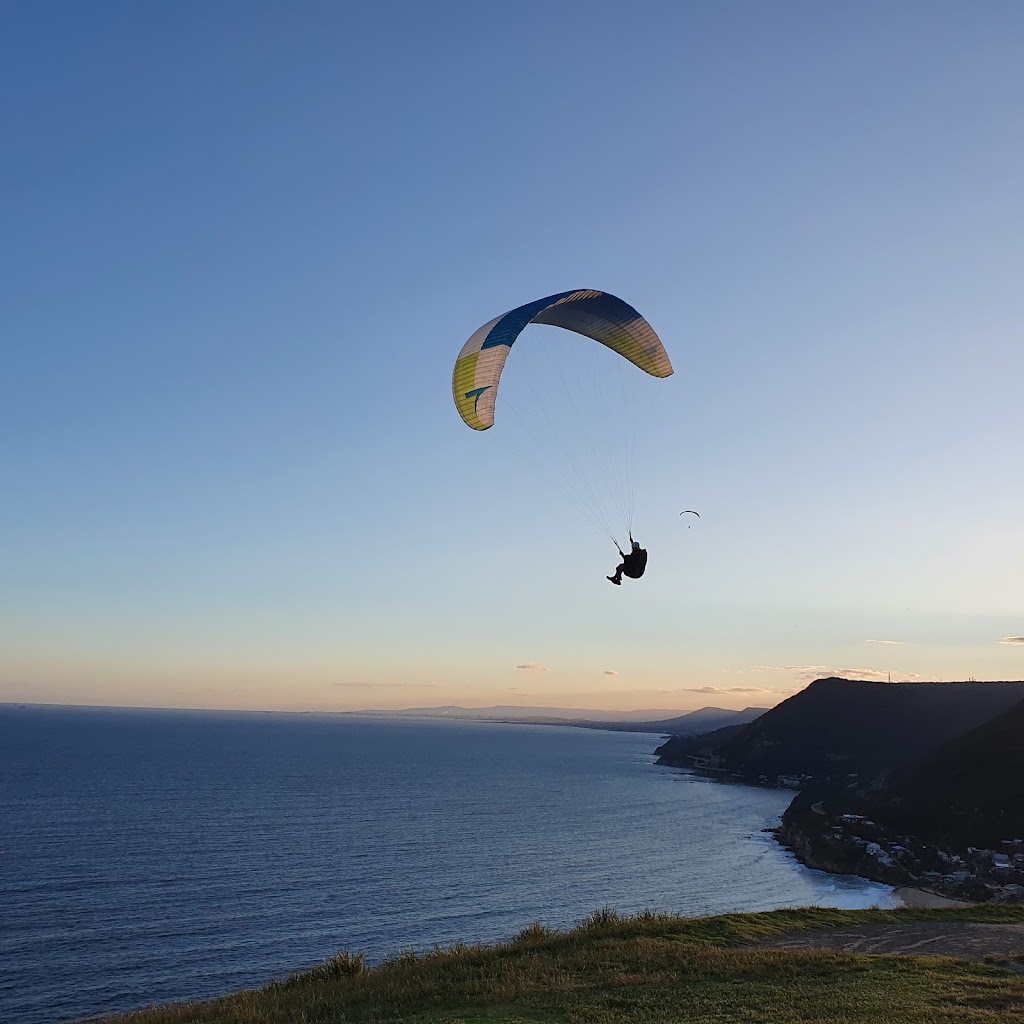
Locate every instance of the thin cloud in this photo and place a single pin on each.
(896, 642)
(874, 675)
(386, 686)
(808, 673)
(1017, 640)
(532, 667)
(610, 672)
(731, 689)
(791, 668)
(803, 673)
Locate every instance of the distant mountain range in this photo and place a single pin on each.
(691, 723)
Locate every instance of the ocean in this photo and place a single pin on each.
(153, 856)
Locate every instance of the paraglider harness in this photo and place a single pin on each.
(633, 564)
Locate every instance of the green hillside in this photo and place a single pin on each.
(653, 969)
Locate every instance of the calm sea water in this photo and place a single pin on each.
(155, 856)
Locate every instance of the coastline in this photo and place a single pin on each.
(910, 896)
(856, 845)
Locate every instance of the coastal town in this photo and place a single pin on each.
(855, 844)
(845, 843)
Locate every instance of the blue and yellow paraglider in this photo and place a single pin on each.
(596, 488)
(596, 315)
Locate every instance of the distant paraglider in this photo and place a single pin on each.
(690, 512)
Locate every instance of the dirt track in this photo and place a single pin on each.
(922, 938)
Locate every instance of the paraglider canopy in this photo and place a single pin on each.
(593, 448)
(689, 511)
(596, 315)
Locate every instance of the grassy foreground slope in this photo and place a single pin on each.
(648, 970)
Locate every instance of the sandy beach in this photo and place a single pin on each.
(922, 899)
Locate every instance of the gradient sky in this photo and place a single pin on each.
(243, 242)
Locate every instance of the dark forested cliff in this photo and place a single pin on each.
(840, 728)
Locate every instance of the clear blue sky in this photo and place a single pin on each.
(243, 242)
